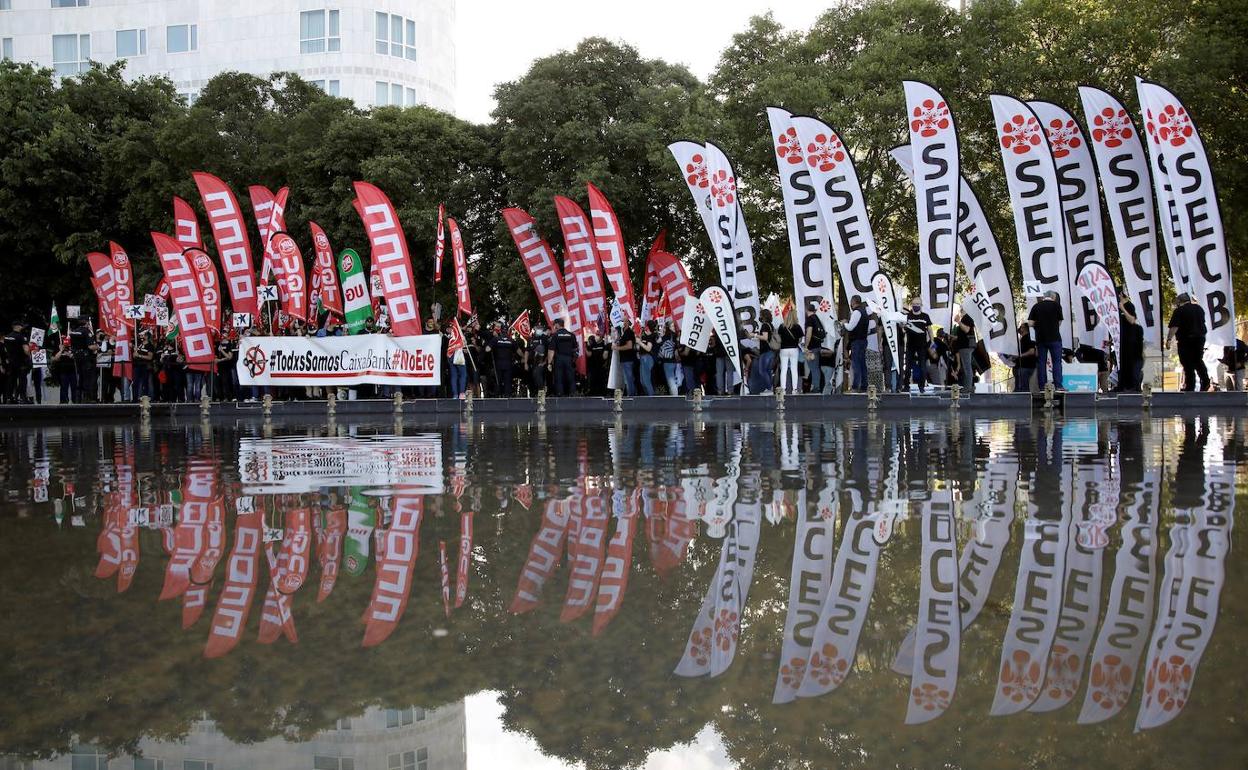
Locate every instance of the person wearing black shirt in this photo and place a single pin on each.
(17, 357)
(790, 339)
(1130, 349)
(1025, 365)
(918, 337)
(83, 344)
(504, 354)
(815, 335)
(626, 346)
(144, 356)
(598, 362)
(1187, 325)
(562, 359)
(1235, 359)
(760, 372)
(964, 352)
(646, 345)
(539, 363)
(1045, 321)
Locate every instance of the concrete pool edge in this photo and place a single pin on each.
(805, 405)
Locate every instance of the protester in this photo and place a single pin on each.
(858, 330)
(1130, 349)
(669, 358)
(647, 347)
(1025, 364)
(16, 364)
(813, 342)
(1234, 359)
(626, 346)
(918, 338)
(964, 341)
(1045, 321)
(791, 338)
(65, 370)
(598, 364)
(561, 359)
(760, 373)
(1187, 325)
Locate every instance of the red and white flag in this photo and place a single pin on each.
(609, 243)
(242, 573)
(209, 285)
(463, 298)
(522, 326)
(287, 263)
(194, 330)
(230, 234)
(391, 259)
(456, 343)
(581, 259)
(439, 245)
(324, 274)
(105, 290)
(123, 280)
(396, 560)
(539, 261)
(186, 225)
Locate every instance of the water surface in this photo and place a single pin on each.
(870, 593)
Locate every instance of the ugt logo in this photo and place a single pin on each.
(255, 361)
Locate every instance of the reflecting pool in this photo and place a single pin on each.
(401, 596)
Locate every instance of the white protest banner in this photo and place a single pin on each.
(242, 320)
(39, 358)
(135, 312)
(938, 172)
(36, 337)
(380, 464)
(695, 332)
(719, 311)
(162, 316)
(363, 358)
(73, 311)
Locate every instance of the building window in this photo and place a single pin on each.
(335, 89)
(85, 758)
(333, 763)
(396, 36)
(60, 3)
(131, 42)
(318, 32)
(191, 97)
(6, 5)
(180, 38)
(148, 764)
(71, 54)
(196, 764)
(6, 48)
(345, 722)
(409, 760)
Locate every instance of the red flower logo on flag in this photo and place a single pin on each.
(700, 646)
(724, 189)
(1110, 681)
(695, 172)
(700, 309)
(1020, 134)
(791, 673)
(825, 152)
(1111, 127)
(1063, 137)
(930, 697)
(789, 147)
(1172, 125)
(715, 296)
(929, 118)
(1170, 681)
(726, 630)
(827, 667)
(1020, 677)
(825, 306)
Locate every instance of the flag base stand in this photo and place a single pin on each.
(1146, 396)
(619, 401)
(398, 402)
(955, 395)
(873, 398)
(541, 402)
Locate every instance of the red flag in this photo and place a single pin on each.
(391, 259)
(446, 577)
(193, 329)
(296, 545)
(209, 293)
(287, 263)
(105, 286)
(396, 559)
(522, 326)
(581, 258)
(615, 571)
(465, 555)
(186, 225)
(277, 224)
(242, 572)
(276, 619)
(538, 261)
(123, 278)
(461, 268)
(674, 282)
(457, 342)
(329, 550)
(262, 200)
(439, 246)
(609, 242)
(374, 279)
(230, 233)
(544, 555)
(324, 274)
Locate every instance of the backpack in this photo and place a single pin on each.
(773, 339)
(667, 350)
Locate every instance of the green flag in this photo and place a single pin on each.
(361, 520)
(356, 303)
(54, 323)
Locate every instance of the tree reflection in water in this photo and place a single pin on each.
(790, 584)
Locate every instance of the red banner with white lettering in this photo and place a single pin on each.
(186, 225)
(324, 274)
(229, 231)
(105, 290)
(439, 246)
(609, 242)
(329, 550)
(582, 259)
(396, 560)
(539, 261)
(123, 280)
(287, 263)
(209, 291)
(242, 573)
(462, 296)
(674, 282)
(194, 331)
(391, 259)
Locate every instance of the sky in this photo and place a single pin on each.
(497, 41)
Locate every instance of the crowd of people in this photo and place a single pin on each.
(776, 355)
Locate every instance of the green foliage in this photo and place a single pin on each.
(96, 157)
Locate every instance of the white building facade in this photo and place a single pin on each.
(374, 52)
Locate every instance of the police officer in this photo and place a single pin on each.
(538, 353)
(561, 358)
(504, 350)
